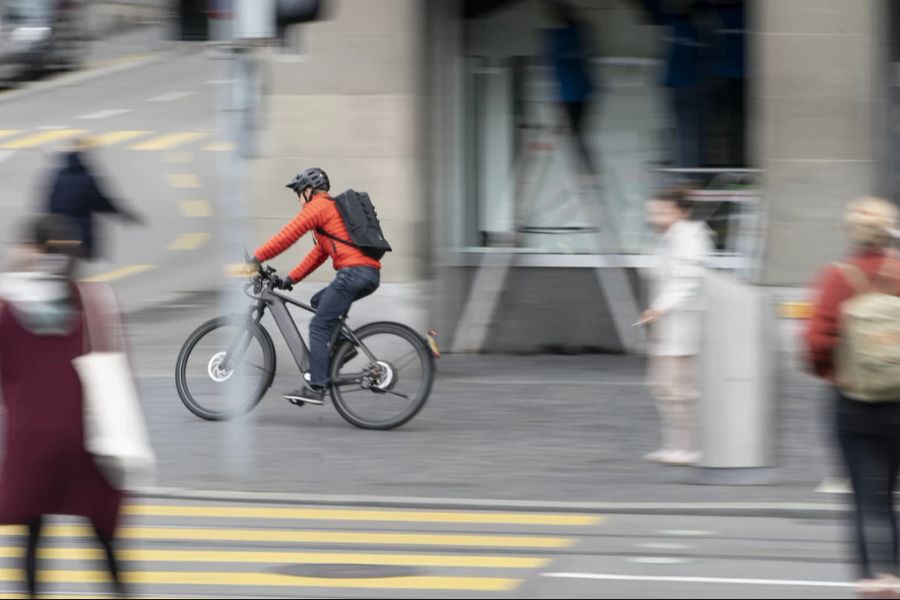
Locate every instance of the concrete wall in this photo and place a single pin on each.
(817, 107)
(446, 157)
(351, 103)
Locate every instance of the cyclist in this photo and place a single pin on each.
(357, 276)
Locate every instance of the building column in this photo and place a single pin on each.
(816, 123)
(350, 101)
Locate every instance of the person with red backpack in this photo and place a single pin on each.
(853, 340)
(339, 230)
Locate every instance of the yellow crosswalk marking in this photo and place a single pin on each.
(189, 241)
(190, 552)
(195, 208)
(237, 270)
(170, 140)
(268, 557)
(276, 536)
(795, 310)
(470, 584)
(315, 514)
(111, 138)
(54, 597)
(5, 133)
(119, 273)
(183, 181)
(219, 147)
(44, 137)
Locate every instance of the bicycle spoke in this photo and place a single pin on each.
(414, 354)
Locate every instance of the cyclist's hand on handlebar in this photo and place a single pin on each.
(283, 283)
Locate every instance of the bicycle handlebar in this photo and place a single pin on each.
(264, 277)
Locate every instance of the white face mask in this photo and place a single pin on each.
(27, 290)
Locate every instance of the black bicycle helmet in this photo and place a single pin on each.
(315, 178)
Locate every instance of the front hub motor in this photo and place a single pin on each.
(216, 372)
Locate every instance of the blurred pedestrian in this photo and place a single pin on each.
(728, 77)
(867, 422)
(76, 193)
(674, 320)
(568, 52)
(46, 469)
(683, 74)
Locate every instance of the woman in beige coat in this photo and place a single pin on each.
(674, 320)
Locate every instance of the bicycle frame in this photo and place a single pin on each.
(277, 303)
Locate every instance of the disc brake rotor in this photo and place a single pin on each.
(215, 370)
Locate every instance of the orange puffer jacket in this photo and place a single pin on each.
(319, 213)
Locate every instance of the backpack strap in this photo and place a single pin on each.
(855, 277)
(321, 231)
(889, 274)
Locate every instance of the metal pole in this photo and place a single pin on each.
(238, 104)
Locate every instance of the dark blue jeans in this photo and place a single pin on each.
(331, 304)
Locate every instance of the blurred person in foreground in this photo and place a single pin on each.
(76, 194)
(674, 320)
(867, 409)
(568, 53)
(46, 468)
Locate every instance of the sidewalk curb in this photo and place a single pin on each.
(787, 510)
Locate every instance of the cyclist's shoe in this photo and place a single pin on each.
(307, 394)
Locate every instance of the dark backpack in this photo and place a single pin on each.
(359, 216)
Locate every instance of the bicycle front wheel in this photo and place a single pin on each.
(390, 391)
(225, 368)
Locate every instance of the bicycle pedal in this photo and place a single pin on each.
(298, 402)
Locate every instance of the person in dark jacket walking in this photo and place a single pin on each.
(76, 194)
(683, 74)
(46, 469)
(569, 55)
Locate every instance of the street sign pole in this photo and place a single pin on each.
(239, 102)
(256, 24)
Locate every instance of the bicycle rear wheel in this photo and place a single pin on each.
(225, 368)
(389, 392)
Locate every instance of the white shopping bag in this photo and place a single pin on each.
(114, 430)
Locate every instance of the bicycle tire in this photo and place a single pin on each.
(259, 333)
(424, 353)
